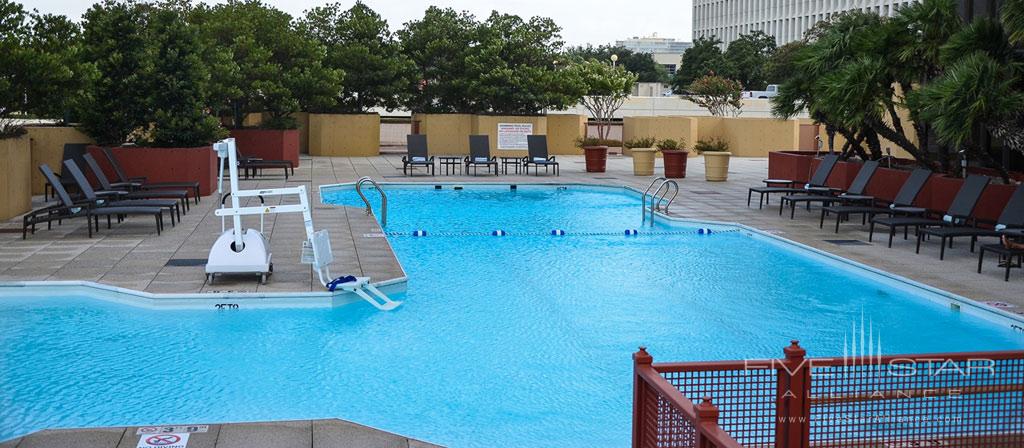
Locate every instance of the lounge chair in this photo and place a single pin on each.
(111, 198)
(903, 203)
(1012, 217)
(69, 209)
(480, 155)
(142, 182)
(256, 165)
(537, 148)
(960, 211)
(418, 155)
(816, 185)
(72, 151)
(1006, 254)
(854, 194)
(125, 196)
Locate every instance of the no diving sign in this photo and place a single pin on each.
(168, 440)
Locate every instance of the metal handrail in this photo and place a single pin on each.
(383, 199)
(643, 199)
(659, 198)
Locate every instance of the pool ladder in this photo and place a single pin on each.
(383, 199)
(660, 199)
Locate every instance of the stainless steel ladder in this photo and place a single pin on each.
(660, 199)
(383, 199)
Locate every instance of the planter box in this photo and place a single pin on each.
(16, 183)
(344, 135)
(269, 144)
(165, 164)
(789, 165)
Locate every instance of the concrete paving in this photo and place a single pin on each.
(284, 434)
(132, 256)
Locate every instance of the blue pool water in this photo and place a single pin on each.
(518, 341)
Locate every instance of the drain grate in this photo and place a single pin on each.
(185, 262)
(848, 242)
(10, 230)
(705, 192)
(605, 178)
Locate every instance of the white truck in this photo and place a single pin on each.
(771, 91)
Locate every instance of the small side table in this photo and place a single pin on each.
(516, 162)
(450, 164)
(779, 182)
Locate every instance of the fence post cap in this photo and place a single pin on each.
(707, 411)
(794, 351)
(642, 357)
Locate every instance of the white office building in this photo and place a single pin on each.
(666, 51)
(787, 20)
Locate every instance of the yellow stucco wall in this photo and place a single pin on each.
(488, 125)
(752, 137)
(46, 145)
(563, 130)
(16, 181)
(676, 128)
(446, 133)
(345, 135)
(302, 118)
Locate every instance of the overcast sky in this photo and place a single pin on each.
(582, 21)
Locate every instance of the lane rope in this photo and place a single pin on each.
(558, 232)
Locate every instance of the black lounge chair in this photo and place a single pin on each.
(72, 151)
(112, 198)
(816, 185)
(157, 198)
(141, 182)
(480, 155)
(960, 211)
(418, 155)
(854, 194)
(1006, 254)
(256, 165)
(537, 148)
(69, 209)
(1012, 217)
(903, 203)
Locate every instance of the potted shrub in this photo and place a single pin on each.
(675, 158)
(716, 158)
(595, 153)
(643, 152)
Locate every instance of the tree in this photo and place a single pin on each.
(266, 65)
(746, 59)
(359, 43)
(177, 85)
(114, 43)
(781, 65)
(440, 45)
(703, 58)
(641, 64)
(722, 97)
(57, 73)
(606, 88)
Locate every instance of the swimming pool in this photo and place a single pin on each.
(522, 340)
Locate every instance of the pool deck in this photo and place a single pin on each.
(284, 434)
(132, 256)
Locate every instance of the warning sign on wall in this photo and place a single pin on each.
(171, 440)
(512, 136)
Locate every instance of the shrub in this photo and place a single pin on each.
(643, 142)
(595, 141)
(669, 144)
(712, 145)
(720, 96)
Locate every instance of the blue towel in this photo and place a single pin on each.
(340, 281)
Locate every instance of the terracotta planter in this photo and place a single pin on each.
(643, 161)
(716, 166)
(675, 163)
(165, 164)
(596, 157)
(269, 144)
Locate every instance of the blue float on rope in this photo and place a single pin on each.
(558, 232)
(704, 231)
(419, 233)
(631, 232)
(498, 233)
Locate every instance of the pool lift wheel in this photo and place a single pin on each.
(247, 251)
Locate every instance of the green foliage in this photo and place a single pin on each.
(440, 45)
(669, 144)
(703, 58)
(781, 66)
(604, 89)
(1013, 20)
(114, 42)
(586, 142)
(746, 59)
(711, 145)
(641, 142)
(264, 64)
(359, 43)
(720, 96)
(641, 64)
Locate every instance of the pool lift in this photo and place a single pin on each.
(246, 251)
